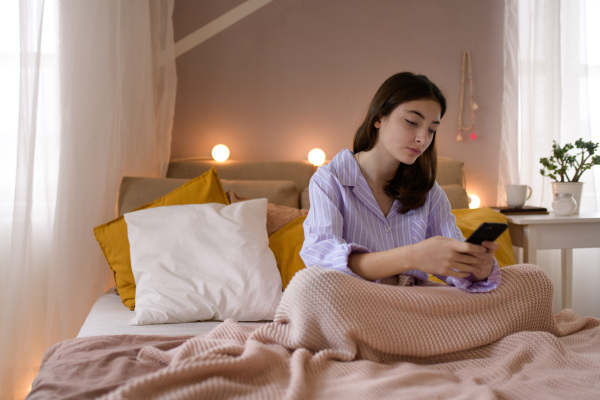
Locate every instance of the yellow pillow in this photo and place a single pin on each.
(112, 236)
(286, 244)
(469, 219)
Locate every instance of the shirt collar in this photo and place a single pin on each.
(350, 174)
(350, 171)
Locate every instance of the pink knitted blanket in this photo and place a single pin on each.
(335, 336)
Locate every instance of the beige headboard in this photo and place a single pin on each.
(282, 182)
(297, 171)
(450, 174)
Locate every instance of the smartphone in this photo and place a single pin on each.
(487, 232)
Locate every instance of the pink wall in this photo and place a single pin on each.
(298, 74)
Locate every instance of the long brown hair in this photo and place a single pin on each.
(411, 183)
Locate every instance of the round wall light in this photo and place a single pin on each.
(316, 157)
(474, 201)
(220, 153)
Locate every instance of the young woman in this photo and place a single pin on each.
(378, 213)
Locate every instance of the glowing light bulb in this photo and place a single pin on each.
(474, 201)
(473, 136)
(220, 153)
(316, 157)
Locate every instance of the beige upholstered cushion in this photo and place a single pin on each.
(135, 191)
(457, 196)
(450, 172)
(451, 177)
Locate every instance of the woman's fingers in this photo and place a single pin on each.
(449, 257)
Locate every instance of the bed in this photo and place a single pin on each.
(214, 311)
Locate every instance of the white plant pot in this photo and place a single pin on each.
(569, 187)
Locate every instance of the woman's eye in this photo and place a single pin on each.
(411, 122)
(432, 131)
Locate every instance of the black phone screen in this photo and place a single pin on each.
(487, 232)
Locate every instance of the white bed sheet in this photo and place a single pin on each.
(109, 316)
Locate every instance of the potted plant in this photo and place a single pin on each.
(566, 167)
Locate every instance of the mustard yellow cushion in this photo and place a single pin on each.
(286, 244)
(112, 236)
(469, 219)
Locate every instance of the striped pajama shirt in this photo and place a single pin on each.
(344, 218)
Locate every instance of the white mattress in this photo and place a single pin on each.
(109, 316)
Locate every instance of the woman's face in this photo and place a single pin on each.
(408, 131)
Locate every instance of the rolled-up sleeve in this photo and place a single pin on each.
(323, 228)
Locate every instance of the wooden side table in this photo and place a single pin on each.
(534, 232)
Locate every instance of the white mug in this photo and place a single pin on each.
(517, 195)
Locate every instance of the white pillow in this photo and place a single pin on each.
(203, 261)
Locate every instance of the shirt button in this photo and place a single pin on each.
(387, 230)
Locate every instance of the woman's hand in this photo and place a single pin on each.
(449, 257)
(486, 261)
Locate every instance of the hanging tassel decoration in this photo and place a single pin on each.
(466, 64)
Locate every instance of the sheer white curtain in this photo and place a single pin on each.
(552, 80)
(548, 84)
(95, 102)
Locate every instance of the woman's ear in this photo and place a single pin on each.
(377, 124)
